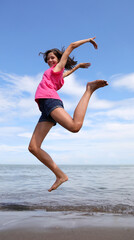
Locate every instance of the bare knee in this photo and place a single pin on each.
(32, 148)
(76, 127)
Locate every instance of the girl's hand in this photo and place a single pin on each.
(84, 65)
(91, 40)
(80, 65)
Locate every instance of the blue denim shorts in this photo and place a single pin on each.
(46, 106)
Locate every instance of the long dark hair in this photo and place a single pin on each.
(70, 61)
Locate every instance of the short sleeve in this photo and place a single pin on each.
(57, 78)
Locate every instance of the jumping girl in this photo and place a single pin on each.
(52, 107)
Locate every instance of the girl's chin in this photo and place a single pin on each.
(51, 65)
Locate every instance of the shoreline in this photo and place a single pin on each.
(60, 225)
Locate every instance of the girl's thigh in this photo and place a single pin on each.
(40, 132)
(62, 117)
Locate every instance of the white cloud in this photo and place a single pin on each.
(28, 107)
(109, 131)
(122, 110)
(10, 131)
(5, 104)
(72, 87)
(25, 134)
(17, 95)
(126, 81)
(96, 103)
(9, 148)
(21, 83)
(122, 113)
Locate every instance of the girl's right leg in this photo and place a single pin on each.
(74, 124)
(38, 136)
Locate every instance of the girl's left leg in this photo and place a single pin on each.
(39, 134)
(74, 124)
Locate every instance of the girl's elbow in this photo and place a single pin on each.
(72, 45)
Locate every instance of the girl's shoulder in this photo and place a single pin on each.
(50, 72)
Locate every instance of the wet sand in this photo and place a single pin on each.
(68, 234)
(64, 226)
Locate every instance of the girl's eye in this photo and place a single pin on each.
(50, 58)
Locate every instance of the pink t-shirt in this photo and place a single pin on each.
(50, 83)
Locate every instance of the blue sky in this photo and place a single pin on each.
(28, 27)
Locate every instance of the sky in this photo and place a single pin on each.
(28, 27)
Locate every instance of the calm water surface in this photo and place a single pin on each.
(90, 189)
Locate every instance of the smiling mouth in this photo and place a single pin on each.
(51, 64)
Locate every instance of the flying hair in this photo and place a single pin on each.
(70, 61)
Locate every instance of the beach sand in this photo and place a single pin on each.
(69, 234)
(64, 226)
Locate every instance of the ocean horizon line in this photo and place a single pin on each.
(40, 164)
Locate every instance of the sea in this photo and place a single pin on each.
(90, 189)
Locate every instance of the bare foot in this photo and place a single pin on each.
(92, 86)
(58, 182)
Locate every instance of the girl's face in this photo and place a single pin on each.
(52, 59)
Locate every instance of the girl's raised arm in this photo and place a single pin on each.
(80, 65)
(68, 51)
